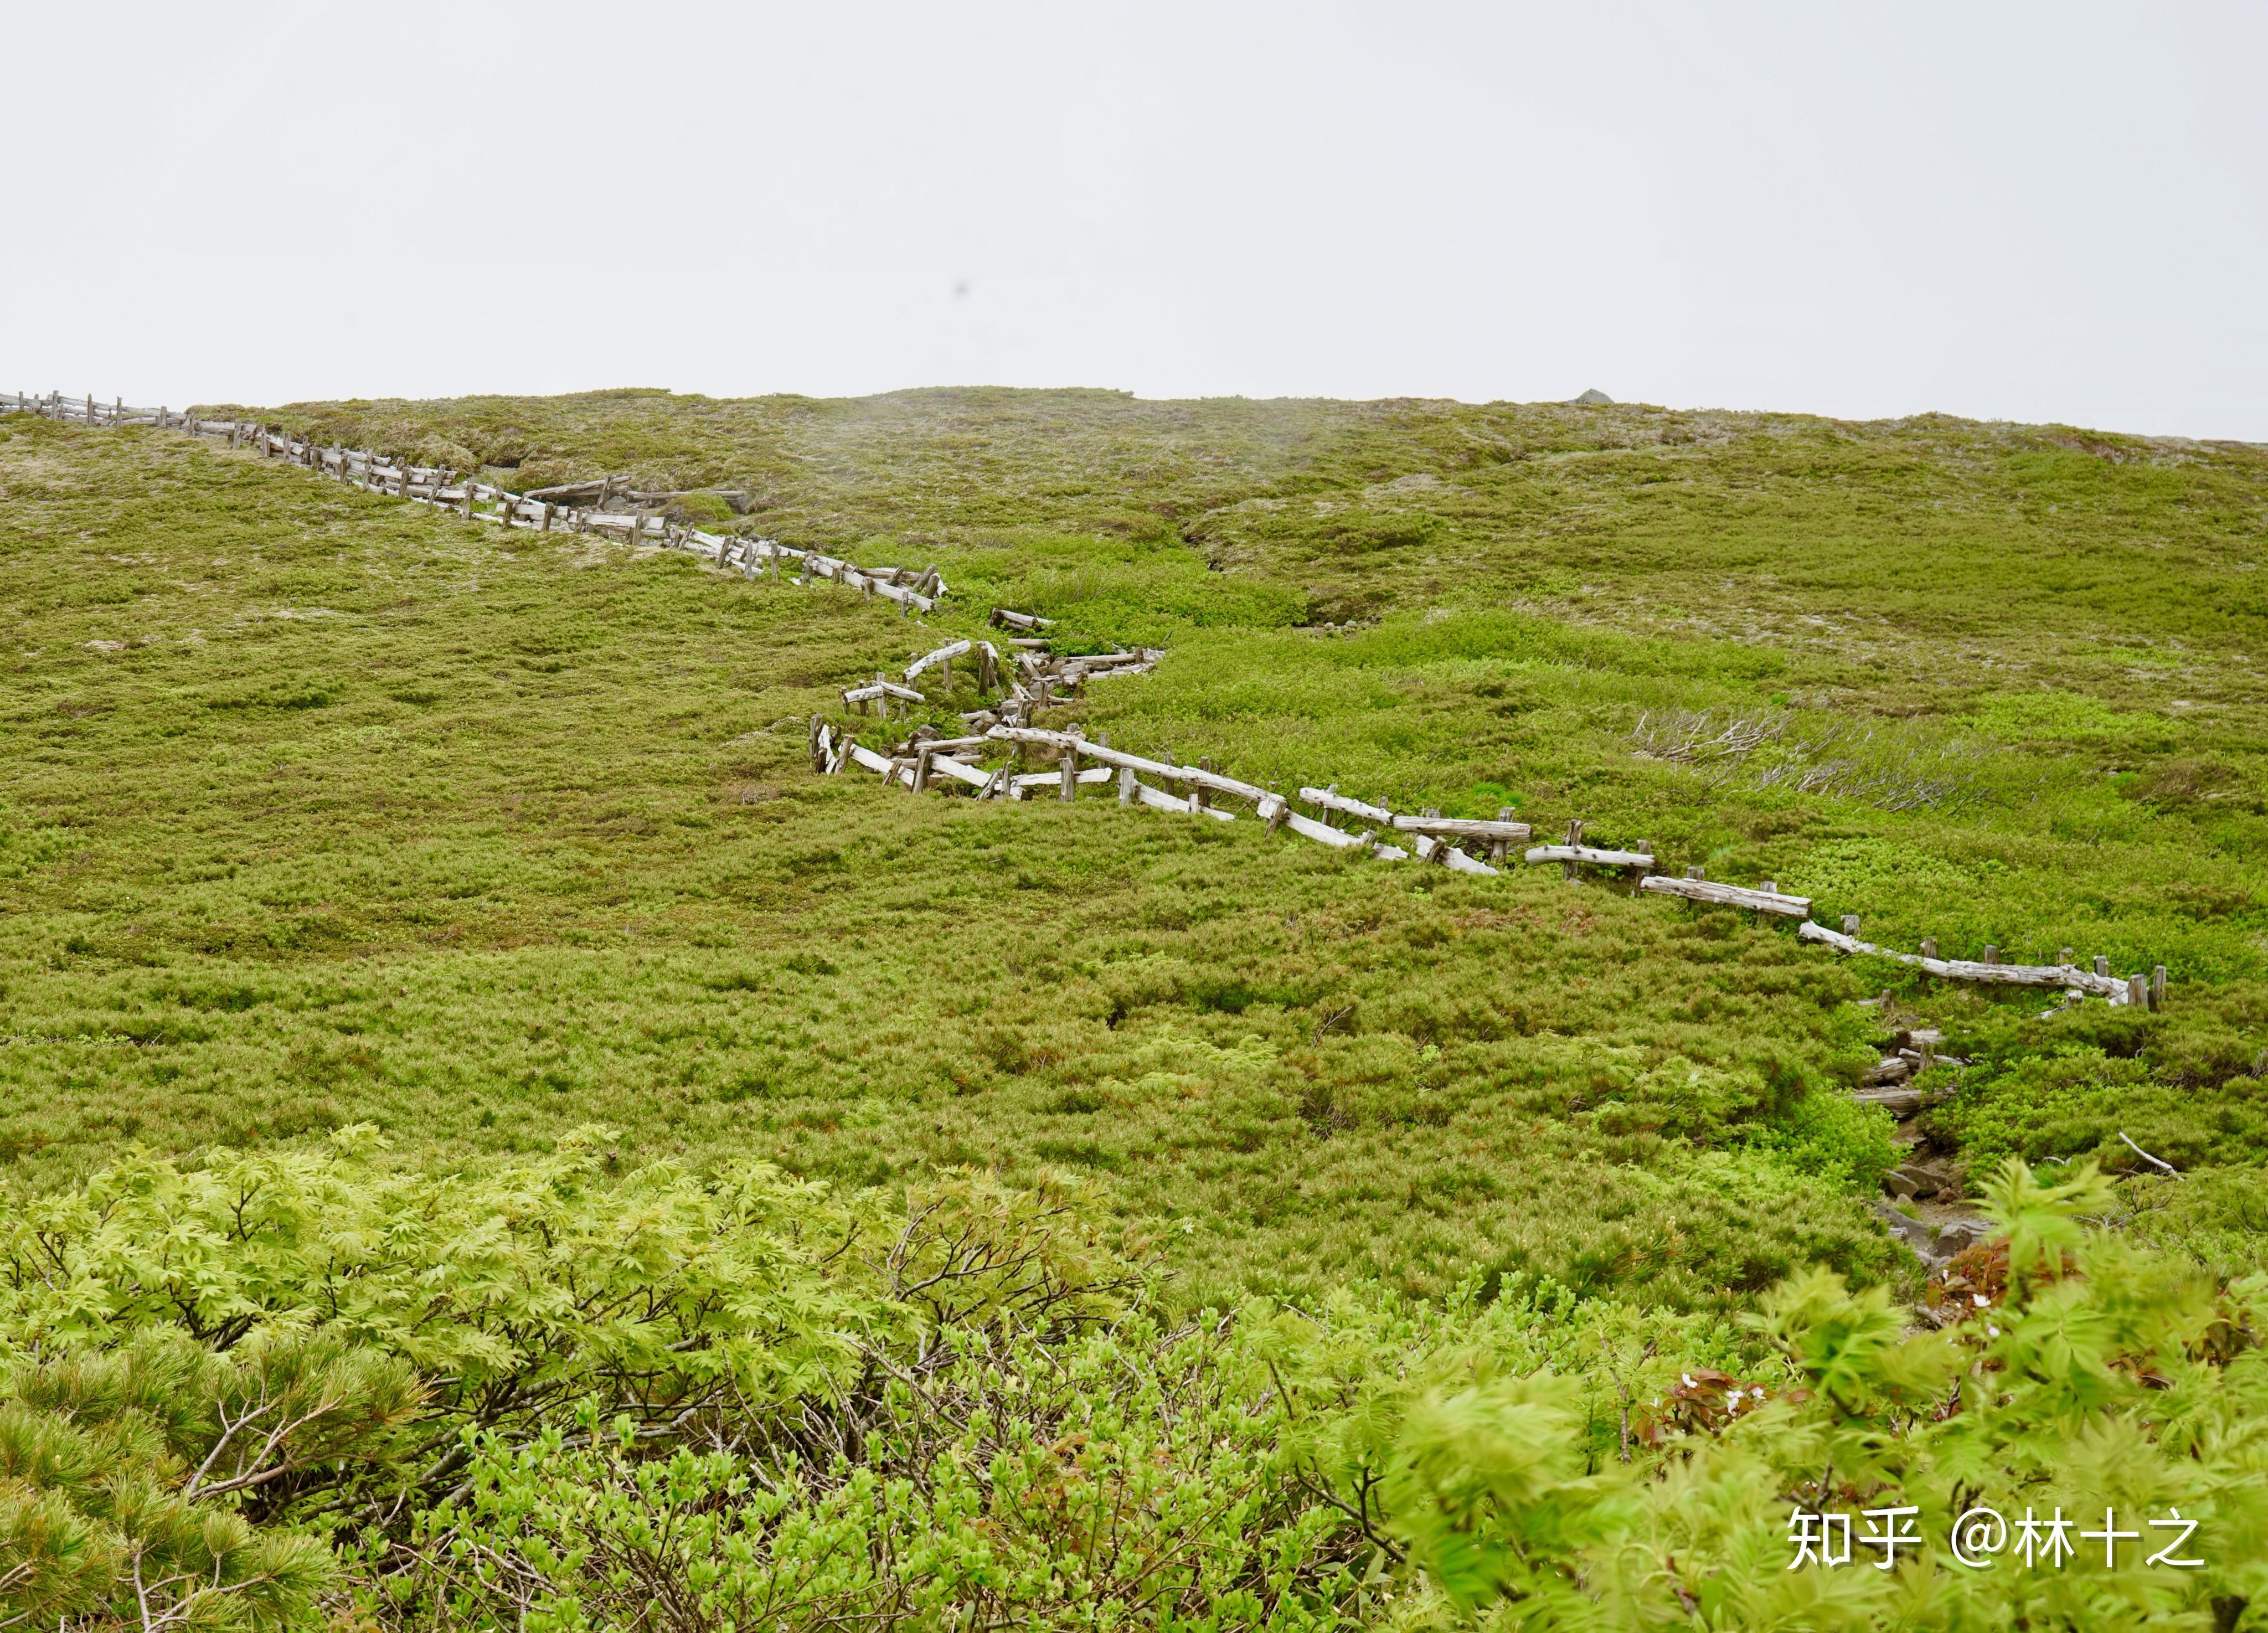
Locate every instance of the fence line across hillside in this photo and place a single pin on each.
(1031, 678)
(924, 762)
(482, 501)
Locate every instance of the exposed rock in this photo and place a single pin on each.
(1934, 1244)
(1591, 398)
(1911, 1232)
(1910, 1180)
(1962, 1235)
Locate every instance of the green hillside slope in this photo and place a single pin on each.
(318, 808)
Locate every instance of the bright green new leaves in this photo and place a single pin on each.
(1487, 1485)
(2107, 1388)
(557, 1398)
(522, 1285)
(1852, 1348)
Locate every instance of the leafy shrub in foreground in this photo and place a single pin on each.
(545, 1399)
(1281, 1469)
(215, 1366)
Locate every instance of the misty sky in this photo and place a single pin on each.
(2035, 212)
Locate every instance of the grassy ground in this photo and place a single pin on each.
(317, 807)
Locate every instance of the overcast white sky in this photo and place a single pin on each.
(2037, 212)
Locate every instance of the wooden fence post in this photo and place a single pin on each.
(1572, 870)
(2102, 964)
(2158, 987)
(1851, 925)
(1126, 785)
(1497, 847)
(1070, 764)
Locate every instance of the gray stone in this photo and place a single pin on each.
(1961, 1235)
(1591, 398)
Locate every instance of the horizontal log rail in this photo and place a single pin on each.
(1331, 799)
(1462, 827)
(1729, 896)
(2146, 991)
(1590, 855)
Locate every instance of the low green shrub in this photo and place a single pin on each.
(272, 1392)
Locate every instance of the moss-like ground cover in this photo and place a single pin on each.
(315, 807)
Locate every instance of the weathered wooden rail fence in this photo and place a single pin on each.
(545, 510)
(1031, 678)
(923, 762)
